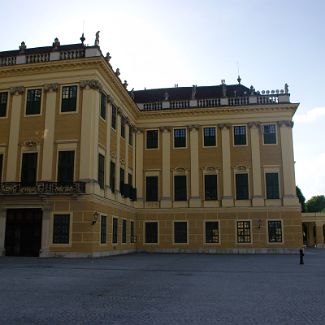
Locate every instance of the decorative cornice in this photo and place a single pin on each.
(53, 87)
(286, 123)
(254, 125)
(17, 90)
(92, 84)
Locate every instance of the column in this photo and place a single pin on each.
(194, 147)
(16, 109)
(166, 201)
(126, 172)
(48, 144)
(289, 183)
(227, 199)
(3, 213)
(319, 234)
(133, 156)
(45, 232)
(118, 154)
(258, 199)
(139, 168)
(108, 147)
(89, 134)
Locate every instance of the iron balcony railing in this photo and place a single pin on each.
(9, 188)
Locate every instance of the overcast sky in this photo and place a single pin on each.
(159, 43)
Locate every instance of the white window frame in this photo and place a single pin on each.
(250, 228)
(144, 232)
(187, 232)
(267, 231)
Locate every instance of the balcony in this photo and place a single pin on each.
(48, 188)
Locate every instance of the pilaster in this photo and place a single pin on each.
(16, 109)
(139, 168)
(118, 155)
(289, 183)
(48, 144)
(194, 144)
(89, 134)
(108, 148)
(258, 199)
(166, 201)
(45, 232)
(227, 199)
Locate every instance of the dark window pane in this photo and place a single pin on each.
(240, 135)
(152, 188)
(29, 169)
(122, 182)
(114, 117)
(124, 231)
(3, 104)
(101, 171)
(211, 232)
(66, 167)
(103, 227)
(123, 127)
(179, 138)
(272, 185)
(210, 182)
(112, 177)
(69, 99)
(130, 135)
(152, 139)
(180, 232)
(275, 231)
(209, 136)
(269, 132)
(243, 231)
(61, 227)
(33, 105)
(103, 101)
(132, 238)
(1, 167)
(151, 232)
(180, 188)
(242, 187)
(115, 228)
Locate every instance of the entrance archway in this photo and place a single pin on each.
(23, 232)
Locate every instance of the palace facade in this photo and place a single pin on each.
(88, 168)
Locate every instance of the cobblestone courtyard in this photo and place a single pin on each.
(164, 289)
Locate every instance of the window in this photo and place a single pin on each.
(151, 232)
(180, 232)
(61, 228)
(3, 104)
(275, 231)
(272, 185)
(179, 138)
(243, 232)
(152, 188)
(114, 117)
(239, 135)
(33, 105)
(132, 238)
(103, 101)
(103, 227)
(122, 182)
(1, 166)
(101, 171)
(180, 188)
(209, 135)
(210, 186)
(269, 134)
(115, 228)
(130, 135)
(29, 169)
(124, 231)
(122, 126)
(152, 139)
(112, 177)
(66, 167)
(242, 187)
(211, 232)
(69, 99)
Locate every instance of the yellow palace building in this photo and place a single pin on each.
(88, 168)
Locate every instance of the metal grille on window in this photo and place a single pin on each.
(61, 227)
(212, 232)
(243, 231)
(275, 231)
